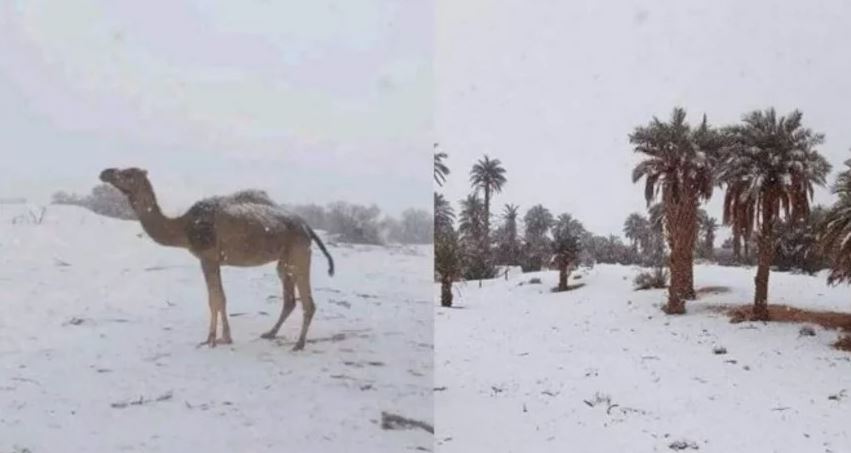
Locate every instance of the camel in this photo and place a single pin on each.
(242, 229)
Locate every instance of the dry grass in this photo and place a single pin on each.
(844, 343)
(832, 320)
(785, 313)
(712, 290)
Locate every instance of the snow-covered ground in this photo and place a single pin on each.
(601, 369)
(96, 319)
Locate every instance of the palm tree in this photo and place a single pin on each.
(654, 253)
(510, 213)
(635, 229)
(836, 230)
(447, 264)
(447, 254)
(444, 215)
(471, 220)
(538, 221)
(566, 247)
(473, 240)
(679, 167)
(798, 243)
(489, 176)
(441, 171)
(507, 240)
(771, 164)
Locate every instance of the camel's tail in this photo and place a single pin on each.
(318, 241)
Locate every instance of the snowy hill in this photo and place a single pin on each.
(601, 369)
(98, 346)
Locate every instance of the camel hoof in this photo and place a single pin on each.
(223, 341)
(269, 335)
(298, 346)
(210, 341)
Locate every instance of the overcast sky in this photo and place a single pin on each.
(313, 101)
(553, 89)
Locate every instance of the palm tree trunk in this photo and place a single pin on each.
(487, 211)
(710, 247)
(688, 279)
(746, 241)
(446, 292)
(678, 259)
(679, 281)
(766, 255)
(690, 224)
(562, 278)
(737, 243)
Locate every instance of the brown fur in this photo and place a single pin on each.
(243, 229)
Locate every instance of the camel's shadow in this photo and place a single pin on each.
(336, 338)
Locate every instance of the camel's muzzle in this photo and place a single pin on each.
(107, 175)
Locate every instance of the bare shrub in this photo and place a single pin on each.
(657, 279)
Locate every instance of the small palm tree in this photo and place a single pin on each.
(447, 253)
(471, 220)
(510, 213)
(538, 221)
(448, 263)
(508, 242)
(635, 229)
(770, 170)
(487, 175)
(566, 247)
(441, 171)
(444, 215)
(473, 240)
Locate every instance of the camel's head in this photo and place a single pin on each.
(130, 181)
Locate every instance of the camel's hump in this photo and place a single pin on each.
(209, 206)
(249, 196)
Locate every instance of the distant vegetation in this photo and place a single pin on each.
(359, 224)
(104, 199)
(349, 223)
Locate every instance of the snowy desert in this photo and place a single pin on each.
(98, 346)
(602, 369)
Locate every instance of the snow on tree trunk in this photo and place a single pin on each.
(690, 225)
(675, 303)
(766, 255)
(446, 292)
(562, 278)
(680, 226)
(737, 244)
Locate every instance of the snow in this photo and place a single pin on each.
(99, 323)
(601, 369)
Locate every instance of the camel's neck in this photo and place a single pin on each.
(164, 230)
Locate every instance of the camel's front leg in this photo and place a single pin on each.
(216, 299)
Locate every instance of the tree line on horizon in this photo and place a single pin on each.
(348, 222)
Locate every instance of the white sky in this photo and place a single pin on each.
(552, 88)
(314, 101)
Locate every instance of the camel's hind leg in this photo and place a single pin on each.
(285, 274)
(300, 258)
(216, 295)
